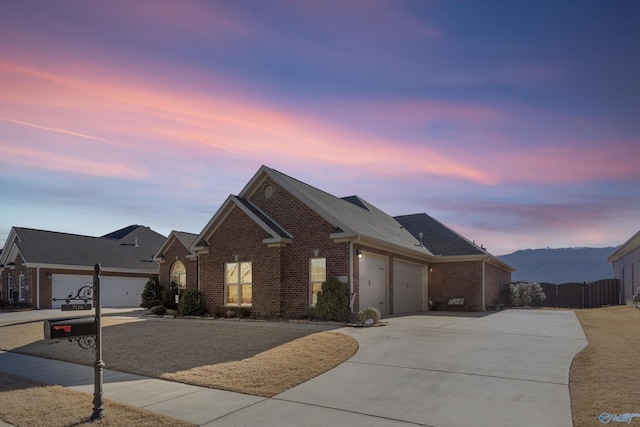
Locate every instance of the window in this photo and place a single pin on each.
(237, 283)
(21, 287)
(179, 274)
(318, 275)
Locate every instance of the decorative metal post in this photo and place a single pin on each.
(98, 401)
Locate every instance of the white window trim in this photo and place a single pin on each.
(179, 275)
(21, 287)
(239, 284)
(311, 281)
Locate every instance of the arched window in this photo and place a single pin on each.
(179, 274)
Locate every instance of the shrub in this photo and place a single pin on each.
(159, 309)
(369, 313)
(169, 296)
(219, 311)
(152, 293)
(332, 300)
(190, 304)
(525, 294)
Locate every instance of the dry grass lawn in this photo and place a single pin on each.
(604, 376)
(26, 403)
(256, 358)
(276, 370)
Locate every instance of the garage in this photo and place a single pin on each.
(373, 282)
(115, 291)
(408, 287)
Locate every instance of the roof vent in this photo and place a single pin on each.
(135, 242)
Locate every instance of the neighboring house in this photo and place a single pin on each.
(37, 266)
(270, 248)
(177, 263)
(626, 268)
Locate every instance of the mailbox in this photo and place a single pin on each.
(69, 328)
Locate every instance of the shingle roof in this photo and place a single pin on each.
(437, 237)
(133, 249)
(119, 234)
(187, 239)
(264, 218)
(360, 217)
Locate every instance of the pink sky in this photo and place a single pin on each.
(152, 113)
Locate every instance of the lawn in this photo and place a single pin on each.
(256, 358)
(27, 403)
(605, 375)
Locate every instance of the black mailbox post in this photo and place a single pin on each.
(70, 328)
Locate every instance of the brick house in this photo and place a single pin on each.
(38, 265)
(177, 263)
(625, 261)
(270, 248)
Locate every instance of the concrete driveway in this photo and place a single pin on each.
(504, 369)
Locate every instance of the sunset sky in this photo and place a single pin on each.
(516, 123)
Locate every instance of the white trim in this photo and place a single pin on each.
(311, 282)
(628, 246)
(484, 284)
(90, 268)
(38, 288)
(224, 211)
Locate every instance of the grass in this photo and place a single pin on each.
(27, 403)
(604, 375)
(256, 358)
(276, 370)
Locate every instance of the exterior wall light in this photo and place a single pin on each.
(359, 253)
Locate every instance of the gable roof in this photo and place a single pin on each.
(354, 219)
(443, 241)
(185, 239)
(622, 250)
(437, 237)
(119, 234)
(129, 249)
(352, 216)
(278, 235)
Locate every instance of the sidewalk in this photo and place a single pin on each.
(190, 403)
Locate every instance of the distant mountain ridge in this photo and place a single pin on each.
(560, 265)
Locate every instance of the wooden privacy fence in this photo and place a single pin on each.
(582, 295)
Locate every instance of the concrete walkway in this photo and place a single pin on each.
(507, 368)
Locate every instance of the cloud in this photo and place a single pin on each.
(162, 118)
(63, 131)
(39, 159)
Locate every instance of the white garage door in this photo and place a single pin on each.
(121, 291)
(68, 284)
(373, 282)
(115, 291)
(408, 287)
